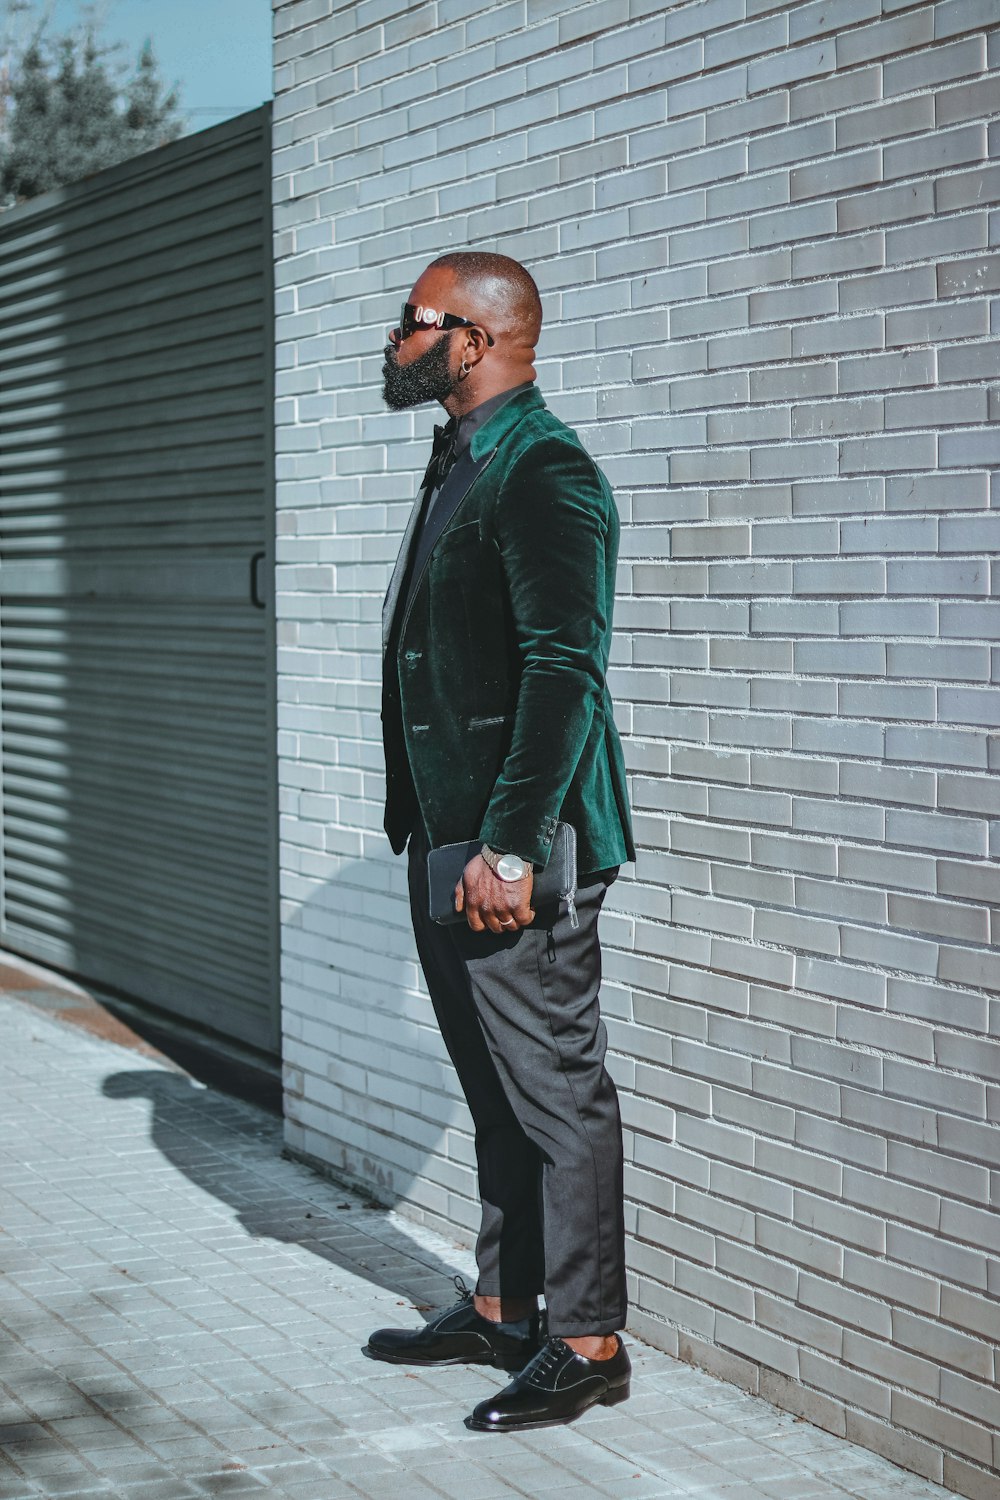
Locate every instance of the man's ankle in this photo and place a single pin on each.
(594, 1346)
(505, 1309)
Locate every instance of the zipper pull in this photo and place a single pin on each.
(574, 920)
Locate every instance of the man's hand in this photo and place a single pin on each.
(489, 903)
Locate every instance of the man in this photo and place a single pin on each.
(497, 724)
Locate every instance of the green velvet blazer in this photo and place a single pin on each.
(496, 718)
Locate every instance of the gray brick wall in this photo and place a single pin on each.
(765, 235)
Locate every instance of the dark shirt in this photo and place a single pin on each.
(426, 535)
(468, 426)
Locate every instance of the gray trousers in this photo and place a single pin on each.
(520, 1019)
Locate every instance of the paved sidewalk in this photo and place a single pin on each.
(183, 1311)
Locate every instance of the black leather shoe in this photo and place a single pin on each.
(556, 1387)
(457, 1336)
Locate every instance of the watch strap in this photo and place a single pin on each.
(494, 856)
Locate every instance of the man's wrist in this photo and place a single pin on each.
(505, 865)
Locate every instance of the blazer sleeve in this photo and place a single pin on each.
(552, 526)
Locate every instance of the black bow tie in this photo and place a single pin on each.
(442, 456)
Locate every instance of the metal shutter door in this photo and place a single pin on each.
(137, 691)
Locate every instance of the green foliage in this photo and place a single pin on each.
(69, 112)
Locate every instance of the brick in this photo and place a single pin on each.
(973, 446)
(885, 122)
(835, 175)
(935, 576)
(891, 616)
(794, 538)
(794, 697)
(750, 271)
(859, 1231)
(937, 831)
(789, 147)
(887, 289)
(947, 747)
(884, 38)
(728, 199)
(948, 236)
(785, 382)
(967, 101)
(938, 661)
(937, 408)
(889, 784)
(968, 706)
(874, 374)
(885, 205)
(817, 19)
(952, 18)
(941, 1426)
(703, 92)
(831, 96)
(666, 66)
(970, 534)
(937, 492)
(972, 881)
(743, 426)
(973, 1226)
(792, 462)
(872, 1189)
(847, 253)
(837, 496)
(937, 323)
(891, 1280)
(721, 239)
(805, 221)
(790, 67)
(967, 189)
(739, 119)
(736, 42)
(935, 152)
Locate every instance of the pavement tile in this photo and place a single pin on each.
(185, 1310)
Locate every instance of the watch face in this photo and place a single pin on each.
(510, 867)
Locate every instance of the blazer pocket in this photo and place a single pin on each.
(458, 538)
(489, 721)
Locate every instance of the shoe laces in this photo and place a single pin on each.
(549, 1357)
(464, 1294)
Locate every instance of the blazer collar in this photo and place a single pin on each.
(503, 421)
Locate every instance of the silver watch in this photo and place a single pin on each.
(506, 866)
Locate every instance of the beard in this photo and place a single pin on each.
(428, 378)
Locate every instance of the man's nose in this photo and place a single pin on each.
(392, 334)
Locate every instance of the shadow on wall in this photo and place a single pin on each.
(370, 1094)
(370, 1097)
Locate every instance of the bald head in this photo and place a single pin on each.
(503, 292)
(491, 350)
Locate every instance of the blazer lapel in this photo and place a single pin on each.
(458, 484)
(454, 490)
(399, 571)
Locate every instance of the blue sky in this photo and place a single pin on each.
(217, 51)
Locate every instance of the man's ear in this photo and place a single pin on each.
(475, 345)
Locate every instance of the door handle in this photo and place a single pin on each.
(255, 593)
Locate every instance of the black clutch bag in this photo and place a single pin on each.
(557, 882)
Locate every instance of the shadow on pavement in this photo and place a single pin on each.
(234, 1154)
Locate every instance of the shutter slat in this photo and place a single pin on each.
(137, 713)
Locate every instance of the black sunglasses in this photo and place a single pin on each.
(415, 319)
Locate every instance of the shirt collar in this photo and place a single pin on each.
(470, 424)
